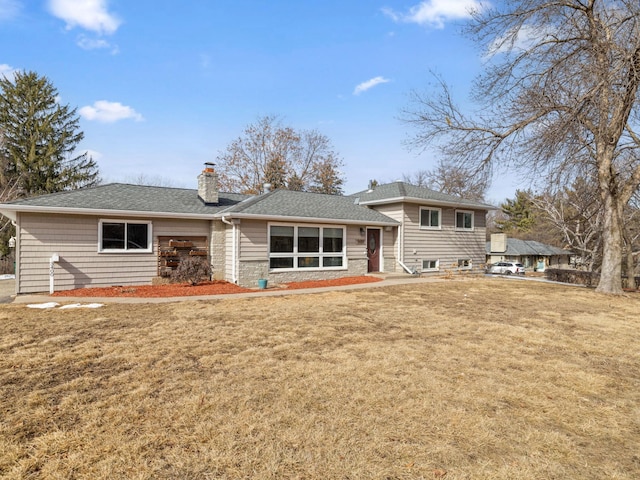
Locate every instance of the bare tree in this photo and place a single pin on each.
(453, 179)
(575, 213)
(558, 100)
(269, 152)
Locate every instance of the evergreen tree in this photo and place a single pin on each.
(519, 214)
(39, 138)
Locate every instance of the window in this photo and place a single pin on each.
(303, 247)
(122, 236)
(464, 220)
(464, 263)
(429, 218)
(430, 265)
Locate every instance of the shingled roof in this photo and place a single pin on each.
(288, 204)
(125, 198)
(405, 192)
(516, 247)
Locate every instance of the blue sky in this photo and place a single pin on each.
(163, 86)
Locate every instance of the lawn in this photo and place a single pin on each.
(481, 378)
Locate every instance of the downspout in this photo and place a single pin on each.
(234, 250)
(400, 249)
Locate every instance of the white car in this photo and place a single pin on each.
(507, 268)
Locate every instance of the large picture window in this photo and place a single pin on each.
(464, 220)
(303, 247)
(429, 218)
(124, 236)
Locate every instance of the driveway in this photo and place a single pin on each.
(7, 289)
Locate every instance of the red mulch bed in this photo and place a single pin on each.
(217, 287)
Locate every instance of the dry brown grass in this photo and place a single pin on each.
(473, 379)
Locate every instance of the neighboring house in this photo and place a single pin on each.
(534, 255)
(120, 234)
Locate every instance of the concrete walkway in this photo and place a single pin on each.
(387, 281)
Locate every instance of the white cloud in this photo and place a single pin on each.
(435, 13)
(88, 14)
(109, 112)
(9, 9)
(87, 43)
(364, 86)
(7, 71)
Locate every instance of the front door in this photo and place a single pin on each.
(373, 250)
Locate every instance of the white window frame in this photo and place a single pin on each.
(430, 227)
(296, 255)
(149, 248)
(430, 269)
(465, 264)
(470, 212)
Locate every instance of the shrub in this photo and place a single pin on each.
(191, 270)
(577, 277)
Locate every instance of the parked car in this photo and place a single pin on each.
(507, 268)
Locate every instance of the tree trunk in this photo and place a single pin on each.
(629, 261)
(611, 270)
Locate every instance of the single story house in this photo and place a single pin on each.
(120, 234)
(535, 255)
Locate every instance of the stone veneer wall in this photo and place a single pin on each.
(217, 251)
(251, 271)
(390, 265)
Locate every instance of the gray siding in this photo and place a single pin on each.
(75, 239)
(253, 240)
(447, 244)
(254, 253)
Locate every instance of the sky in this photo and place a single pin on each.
(163, 86)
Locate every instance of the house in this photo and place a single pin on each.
(119, 234)
(530, 253)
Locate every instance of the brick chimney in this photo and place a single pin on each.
(208, 184)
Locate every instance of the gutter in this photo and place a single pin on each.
(10, 211)
(427, 201)
(321, 220)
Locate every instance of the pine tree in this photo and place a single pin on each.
(39, 138)
(519, 213)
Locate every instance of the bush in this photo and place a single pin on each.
(191, 270)
(576, 277)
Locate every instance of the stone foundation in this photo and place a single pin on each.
(250, 272)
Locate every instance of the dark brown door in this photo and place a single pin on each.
(373, 250)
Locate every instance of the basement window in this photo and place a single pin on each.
(430, 265)
(464, 263)
(124, 236)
